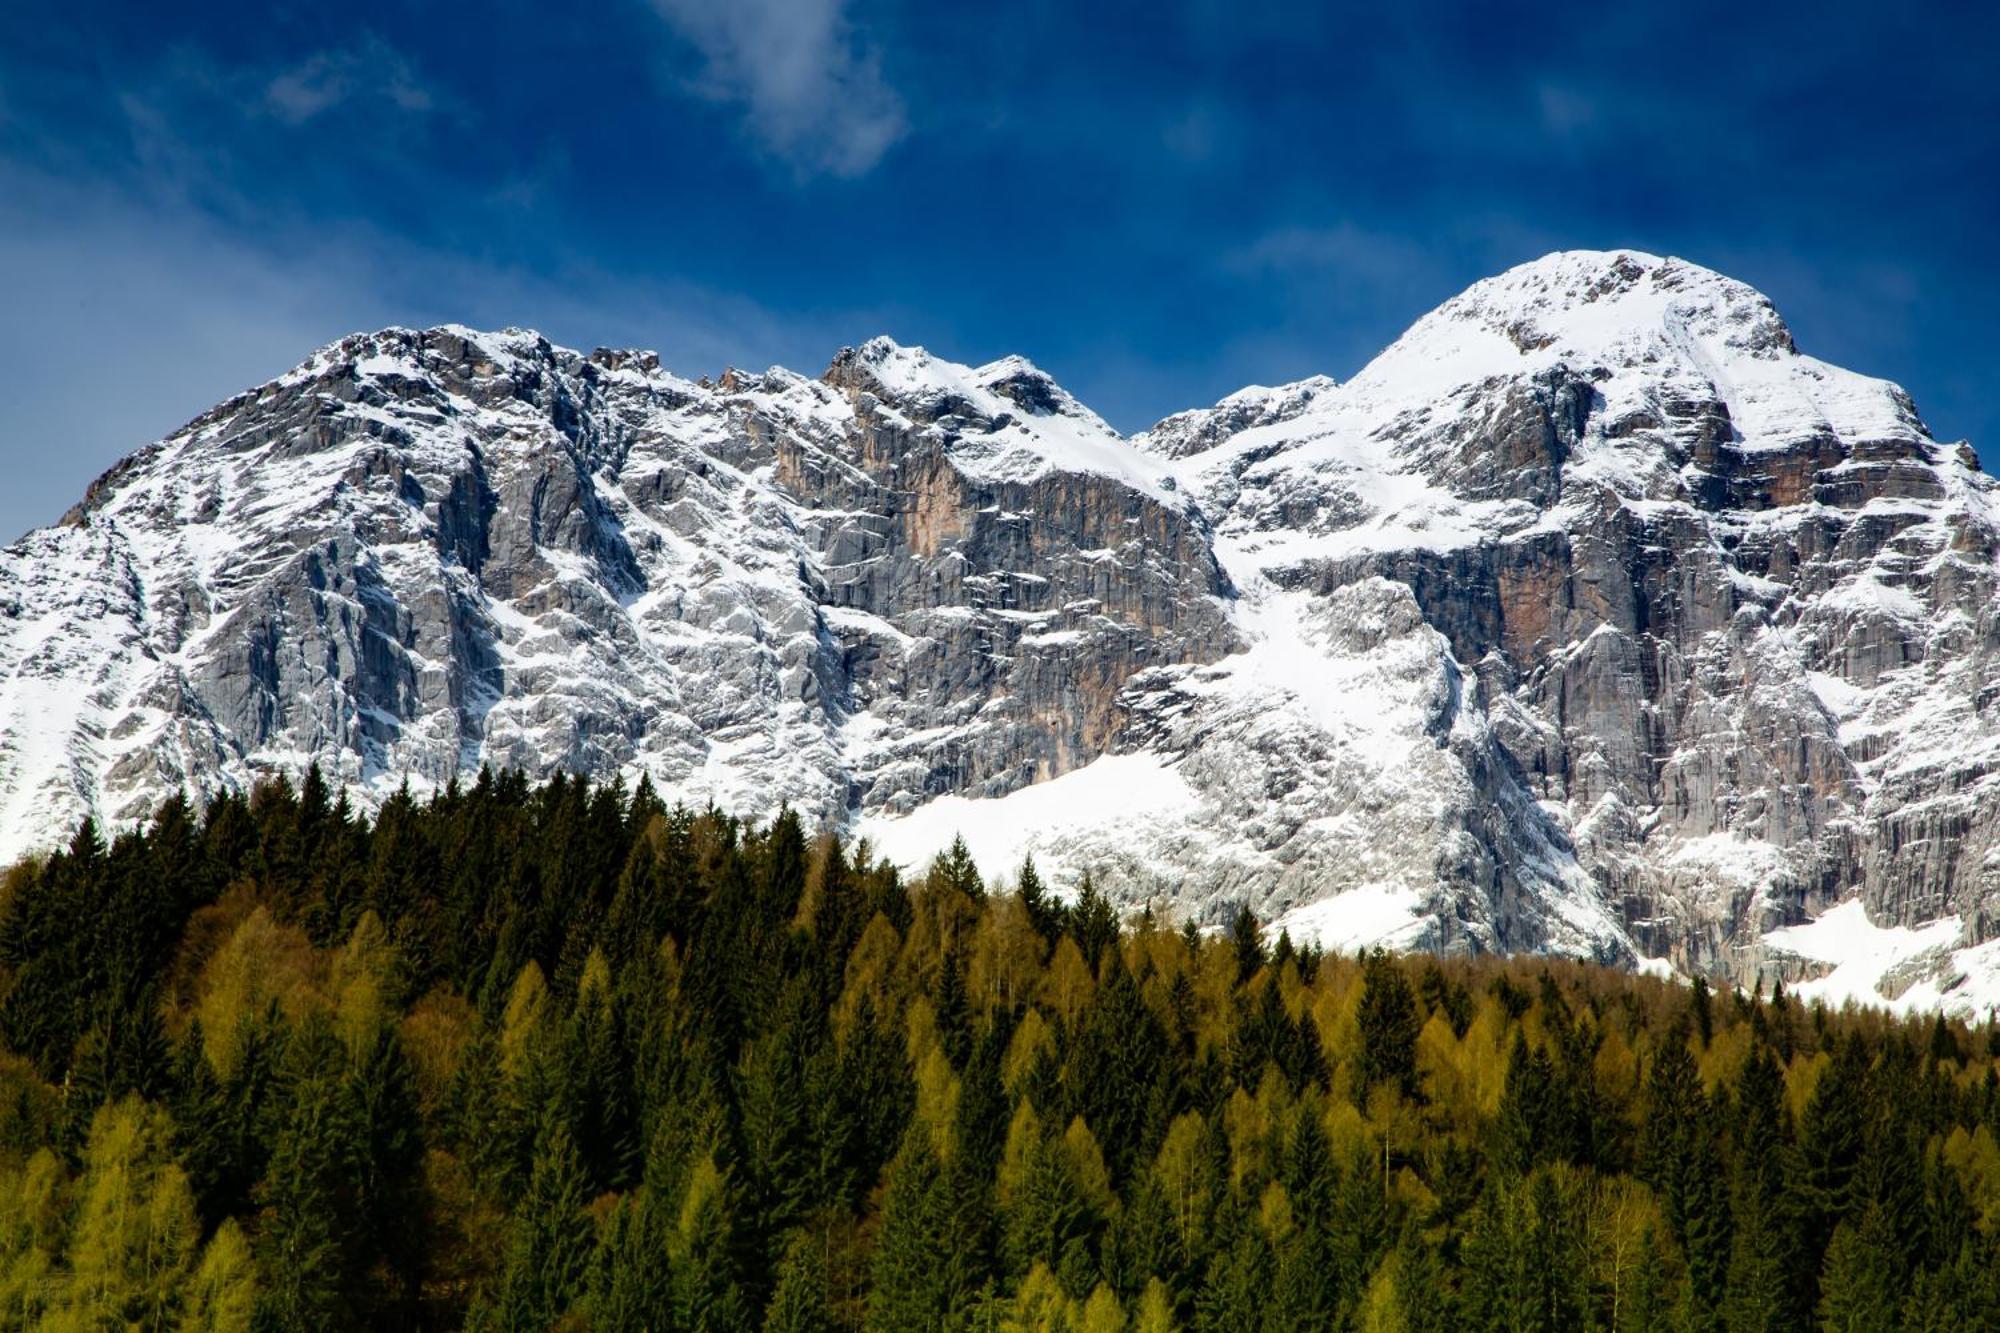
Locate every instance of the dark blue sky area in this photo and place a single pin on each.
(1159, 203)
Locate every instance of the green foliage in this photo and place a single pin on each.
(565, 1057)
(1389, 1024)
(928, 1258)
(549, 1243)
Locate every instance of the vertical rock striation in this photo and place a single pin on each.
(1592, 616)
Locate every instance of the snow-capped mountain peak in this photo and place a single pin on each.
(1592, 615)
(1009, 419)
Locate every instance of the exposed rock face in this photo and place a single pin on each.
(425, 551)
(1591, 616)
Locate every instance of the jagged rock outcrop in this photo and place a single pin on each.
(425, 551)
(1591, 616)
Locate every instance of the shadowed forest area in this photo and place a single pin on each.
(561, 1056)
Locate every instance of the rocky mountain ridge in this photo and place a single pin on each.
(1591, 616)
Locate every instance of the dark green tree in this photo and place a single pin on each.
(550, 1242)
(928, 1264)
(1389, 1025)
(1860, 1287)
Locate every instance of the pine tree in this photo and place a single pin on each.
(1044, 915)
(1245, 940)
(1044, 1213)
(1758, 1291)
(1553, 1254)
(1389, 1024)
(549, 1243)
(389, 1201)
(1860, 1289)
(307, 1199)
(1093, 924)
(1830, 1142)
(1701, 1004)
(1679, 1159)
(773, 1098)
(1521, 1131)
(452, 1102)
(222, 1297)
(953, 869)
(136, 1232)
(707, 1281)
(798, 1305)
(1114, 1061)
(926, 1266)
(631, 1276)
(1319, 1264)
(1237, 1291)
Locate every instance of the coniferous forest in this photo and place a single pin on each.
(527, 1057)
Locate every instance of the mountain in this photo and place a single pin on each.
(1590, 617)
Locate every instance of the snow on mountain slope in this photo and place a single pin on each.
(1731, 607)
(1038, 427)
(1590, 616)
(424, 551)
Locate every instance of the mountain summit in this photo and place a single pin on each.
(1591, 617)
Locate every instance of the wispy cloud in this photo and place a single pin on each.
(180, 310)
(188, 127)
(371, 71)
(1339, 248)
(810, 85)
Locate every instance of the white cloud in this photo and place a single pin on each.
(369, 71)
(137, 314)
(811, 88)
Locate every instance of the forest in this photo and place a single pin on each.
(565, 1056)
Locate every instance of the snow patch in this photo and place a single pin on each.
(1863, 956)
(1110, 791)
(1360, 918)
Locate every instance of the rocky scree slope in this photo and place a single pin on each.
(1591, 617)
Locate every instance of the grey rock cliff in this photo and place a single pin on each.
(1592, 616)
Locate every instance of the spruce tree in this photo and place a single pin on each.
(1860, 1287)
(1389, 1024)
(1758, 1290)
(1044, 915)
(307, 1195)
(1093, 923)
(549, 1243)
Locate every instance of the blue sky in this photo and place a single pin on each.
(1158, 203)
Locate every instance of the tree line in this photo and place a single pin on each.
(564, 1056)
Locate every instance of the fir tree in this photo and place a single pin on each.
(1246, 940)
(1044, 915)
(1389, 1024)
(549, 1244)
(1092, 922)
(1860, 1287)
